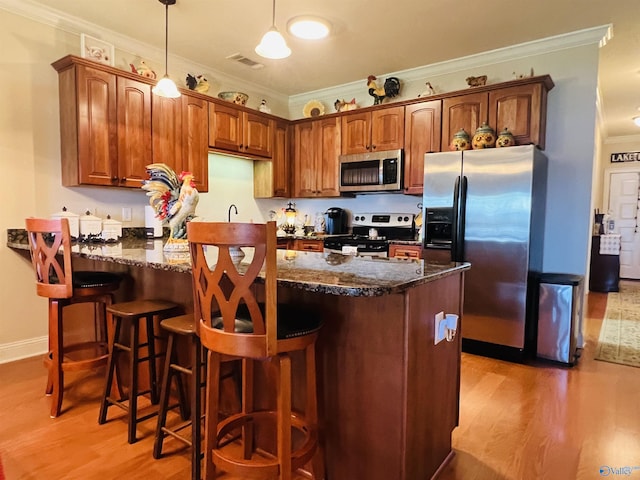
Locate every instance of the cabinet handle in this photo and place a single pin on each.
(114, 179)
(242, 146)
(368, 147)
(373, 147)
(123, 179)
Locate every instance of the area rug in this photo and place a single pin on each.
(619, 340)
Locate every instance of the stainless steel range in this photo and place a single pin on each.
(371, 233)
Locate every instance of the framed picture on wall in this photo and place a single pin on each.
(96, 50)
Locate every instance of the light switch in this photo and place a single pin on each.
(126, 214)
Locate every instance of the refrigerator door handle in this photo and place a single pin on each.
(455, 220)
(462, 211)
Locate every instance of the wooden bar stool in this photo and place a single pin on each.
(189, 402)
(56, 280)
(252, 331)
(133, 312)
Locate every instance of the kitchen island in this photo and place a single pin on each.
(388, 396)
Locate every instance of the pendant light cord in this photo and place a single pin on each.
(166, 39)
(273, 16)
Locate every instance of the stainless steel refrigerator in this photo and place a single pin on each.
(487, 208)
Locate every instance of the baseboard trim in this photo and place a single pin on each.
(10, 352)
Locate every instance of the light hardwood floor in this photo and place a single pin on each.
(517, 422)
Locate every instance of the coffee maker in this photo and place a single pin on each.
(337, 221)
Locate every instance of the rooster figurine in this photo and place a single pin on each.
(391, 88)
(174, 199)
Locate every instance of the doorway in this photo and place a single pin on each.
(622, 191)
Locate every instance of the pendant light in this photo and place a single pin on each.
(165, 87)
(273, 44)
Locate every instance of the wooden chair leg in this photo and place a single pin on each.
(247, 405)
(283, 364)
(196, 407)
(112, 367)
(311, 411)
(133, 376)
(55, 372)
(211, 413)
(165, 393)
(152, 362)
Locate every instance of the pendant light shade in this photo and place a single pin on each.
(166, 87)
(273, 44)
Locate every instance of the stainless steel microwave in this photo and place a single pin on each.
(371, 172)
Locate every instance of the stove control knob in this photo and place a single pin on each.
(362, 218)
(356, 218)
(406, 219)
(400, 219)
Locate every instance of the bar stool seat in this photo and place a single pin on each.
(50, 248)
(133, 312)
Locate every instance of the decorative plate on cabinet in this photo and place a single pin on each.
(313, 108)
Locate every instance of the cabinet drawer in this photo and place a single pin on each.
(309, 245)
(405, 251)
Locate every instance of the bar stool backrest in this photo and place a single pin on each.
(222, 289)
(50, 247)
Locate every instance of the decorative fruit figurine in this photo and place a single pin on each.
(485, 137)
(505, 139)
(461, 140)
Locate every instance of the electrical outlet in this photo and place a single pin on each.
(439, 328)
(126, 214)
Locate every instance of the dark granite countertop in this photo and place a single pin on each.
(333, 274)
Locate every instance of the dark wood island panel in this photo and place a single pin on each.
(388, 397)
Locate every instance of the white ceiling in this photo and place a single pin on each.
(377, 37)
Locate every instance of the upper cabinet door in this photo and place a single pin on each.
(522, 110)
(387, 129)
(356, 133)
(304, 161)
(225, 127)
(167, 131)
(257, 134)
(422, 135)
(195, 140)
(97, 153)
(327, 160)
(463, 111)
(134, 131)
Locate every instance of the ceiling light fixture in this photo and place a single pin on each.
(636, 120)
(273, 44)
(166, 87)
(309, 27)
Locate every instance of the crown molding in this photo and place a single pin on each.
(589, 36)
(74, 25)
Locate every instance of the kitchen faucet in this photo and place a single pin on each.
(229, 213)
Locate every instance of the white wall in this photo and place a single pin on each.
(30, 159)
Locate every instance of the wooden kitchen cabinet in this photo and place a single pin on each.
(463, 111)
(521, 106)
(421, 135)
(105, 124)
(112, 127)
(180, 136)
(523, 110)
(316, 155)
(273, 178)
(378, 130)
(405, 251)
(235, 130)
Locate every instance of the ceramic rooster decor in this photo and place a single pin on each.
(198, 83)
(174, 199)
(391, 88)
(143, 70)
